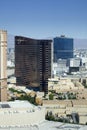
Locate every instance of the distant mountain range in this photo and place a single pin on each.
(78, 43)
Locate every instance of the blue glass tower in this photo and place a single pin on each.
(63, 48)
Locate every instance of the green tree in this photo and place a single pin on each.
(51, 96)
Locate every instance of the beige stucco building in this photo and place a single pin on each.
(64, 84)
(67, 107)
(3, 65)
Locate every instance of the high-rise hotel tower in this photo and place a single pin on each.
(3, 65)
(33, 63)
(63, 48)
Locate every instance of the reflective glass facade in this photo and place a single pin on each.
(33, 62)
(63, 48)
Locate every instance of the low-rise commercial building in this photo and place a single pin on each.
(63, 108)
(20, 113)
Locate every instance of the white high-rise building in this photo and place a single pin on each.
(3, 65)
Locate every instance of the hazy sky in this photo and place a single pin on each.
(44, 18)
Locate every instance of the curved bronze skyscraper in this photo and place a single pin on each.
(33, 62)
(3, 65)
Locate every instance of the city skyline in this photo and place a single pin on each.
(41, 19)
(78, 43)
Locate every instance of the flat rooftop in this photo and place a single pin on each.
(65, 102)
(48, 125)
(16, 104)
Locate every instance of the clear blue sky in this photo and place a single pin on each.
(44, 18)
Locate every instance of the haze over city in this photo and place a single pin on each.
(42, 19)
